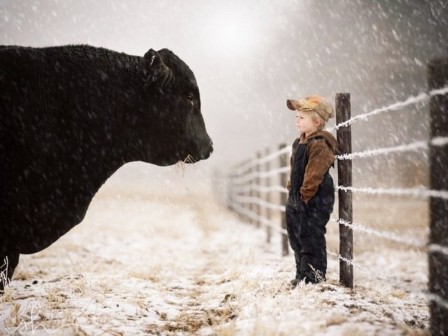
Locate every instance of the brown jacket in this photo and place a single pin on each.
(321, 150)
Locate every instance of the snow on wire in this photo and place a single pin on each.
(383, 234)
(245, 178)
(245, 212)
(245, 186)
(415, 192)
(422, 97)
(255, 162)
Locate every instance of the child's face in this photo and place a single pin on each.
(305, 123)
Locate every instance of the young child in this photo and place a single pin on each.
(311, 189)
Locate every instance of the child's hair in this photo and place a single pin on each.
(316, 116)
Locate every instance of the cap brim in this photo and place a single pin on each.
(291, 104)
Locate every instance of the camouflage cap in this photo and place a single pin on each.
(312, 104)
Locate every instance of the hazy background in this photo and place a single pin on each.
(250, 56)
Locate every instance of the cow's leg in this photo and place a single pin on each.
(8, 263)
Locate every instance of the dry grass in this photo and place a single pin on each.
(175, 265)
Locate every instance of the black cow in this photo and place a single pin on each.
(70, 117)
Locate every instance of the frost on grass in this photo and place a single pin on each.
(152, 263)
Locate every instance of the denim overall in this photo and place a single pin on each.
(306, 223)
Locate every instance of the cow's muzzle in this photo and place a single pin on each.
(202, 155)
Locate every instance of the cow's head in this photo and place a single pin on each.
(177, 127)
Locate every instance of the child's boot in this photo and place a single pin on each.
(294, 282)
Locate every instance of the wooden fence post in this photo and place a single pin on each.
(258, 170)
(268, 198)
(230, 195)
(237, 192)
(283, 160)
(438, 162)
(234, 192)
(250, 194)
(344, 137)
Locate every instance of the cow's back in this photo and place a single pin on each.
(57, 116)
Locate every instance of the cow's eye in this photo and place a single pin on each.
(190, 98)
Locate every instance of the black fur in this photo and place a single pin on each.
(70, 117)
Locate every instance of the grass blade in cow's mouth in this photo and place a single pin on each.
(189, 159)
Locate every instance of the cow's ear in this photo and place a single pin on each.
(155, 69)
(153, 66)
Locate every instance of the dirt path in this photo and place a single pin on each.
(153, 264)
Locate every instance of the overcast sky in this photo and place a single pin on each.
(250, 56)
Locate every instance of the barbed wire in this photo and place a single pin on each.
(414, 192)
(260, 202)
(383, 234)
(393, 107)
(245, 178)
(374, 152)
(245, 183)
(245, 212)
(265, 222)
(416, 146)
(255, 161)
(260, 188)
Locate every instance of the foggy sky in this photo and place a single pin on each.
(250, 56)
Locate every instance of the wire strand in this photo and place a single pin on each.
(393, 107)
(415, 192)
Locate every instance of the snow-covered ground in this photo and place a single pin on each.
(146, 262)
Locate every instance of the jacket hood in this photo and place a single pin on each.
(328, 137)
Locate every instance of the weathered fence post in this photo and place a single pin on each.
(229, 192)
(268, 198)
(237, 190)
(250, 204)
(344, 137)
(258, 170)
(283, 160)
(246, 193)
(438, 237)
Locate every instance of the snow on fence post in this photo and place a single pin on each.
(257, 190)
(438, 162)
(344, 137)
(283, 198)
(268, 198)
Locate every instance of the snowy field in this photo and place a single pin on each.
(148, 262)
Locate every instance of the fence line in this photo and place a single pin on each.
(415, 192)
(357, 227)
(248, 198)
(251, 176)
(270, 157)
(437, 141)
(394, 107)
(244, 183)
(253, 215)
(347, 261)
(374, 152)
(262, 189)
(383, 234)
(259, 201)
